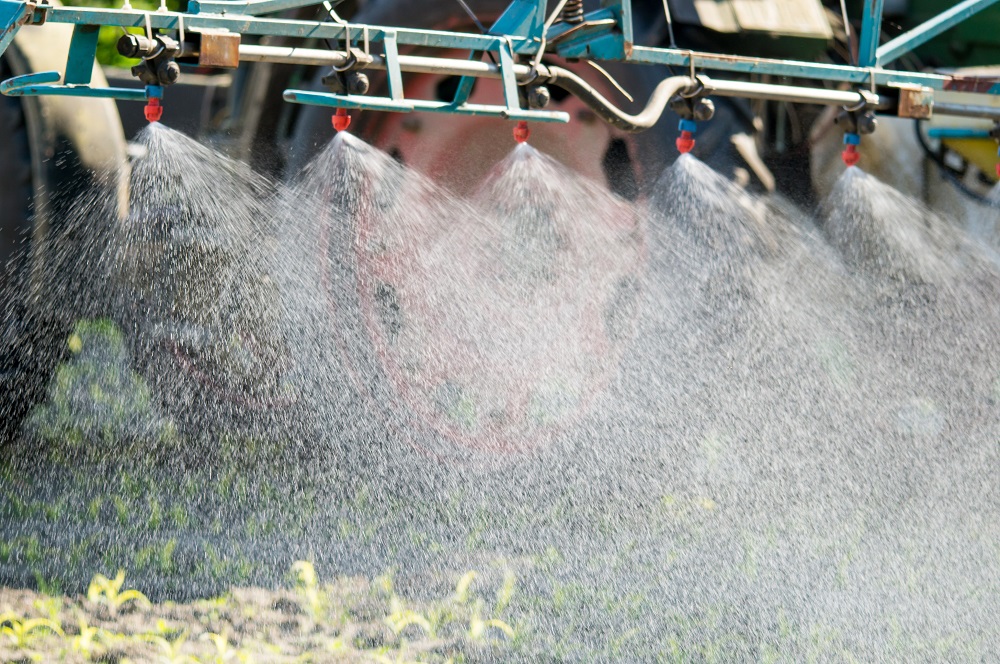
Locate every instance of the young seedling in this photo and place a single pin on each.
(478, 626)
(400, 618)
(307, 585)
(108, 592)
(21, 632)
(224, 652)
(87, 641)
(51, 607)
(170, 650)
(463, 586)
(506, 592)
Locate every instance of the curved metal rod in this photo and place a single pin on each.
(613, 115)
(40, 83)
(13, 87)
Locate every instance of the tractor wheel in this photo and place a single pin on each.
(52, 150)
(16, 203)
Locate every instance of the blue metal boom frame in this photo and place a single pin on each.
(523, 29)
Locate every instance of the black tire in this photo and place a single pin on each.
(52, 150)
(18, 389)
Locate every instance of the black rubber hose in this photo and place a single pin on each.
(613, 115)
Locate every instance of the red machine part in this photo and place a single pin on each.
(341, 120)
(850, 155)
(685, 142)
(154, 110)
(521, 132)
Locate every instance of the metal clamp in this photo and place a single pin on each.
(865, 100)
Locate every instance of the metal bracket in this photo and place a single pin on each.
(396, 102)
(39, 12)
(12, 16)
(395, 74)
(915, 101)
(510, 94)
(359, 102)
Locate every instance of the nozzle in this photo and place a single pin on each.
(154, 110)
(341, 120)
(521, 132)
(850, 155)
(685, 142)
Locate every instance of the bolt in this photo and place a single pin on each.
(356, 83)
(539, 96)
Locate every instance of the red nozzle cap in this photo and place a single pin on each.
(154, 111)
(521, 132)
(341, 120)
(850, 155)
(685, 143)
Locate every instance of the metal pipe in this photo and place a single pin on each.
(409, 63)
(445, 66)
(610, 113)
(566, 80)
(791, 93)
(577, 86)
(967, 110)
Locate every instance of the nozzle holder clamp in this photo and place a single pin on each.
(157, 53)
(347, 78)
(691, 102)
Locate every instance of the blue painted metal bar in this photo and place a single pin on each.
(40, 83)
(12, 15)
(606, 46)
(517, 33)
(466, 83)
(628, 30)
(871, 30)
(906, 42)
(522, 18)
(395, 74)
(248, 7)
(281, 28)
(82, 51)
(384, 104)
(742, 65)
(352, 102)
(511, 96)
(957, 132)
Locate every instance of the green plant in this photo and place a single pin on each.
(108, 592)
(20, 632)
(51, 587)
(479, 626)
(88, 640)
(224, 652)
(170, 649)
(400, 618)
(50, 606)
(307, 587)
(463, 586)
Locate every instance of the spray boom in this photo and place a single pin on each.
(211, 34)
